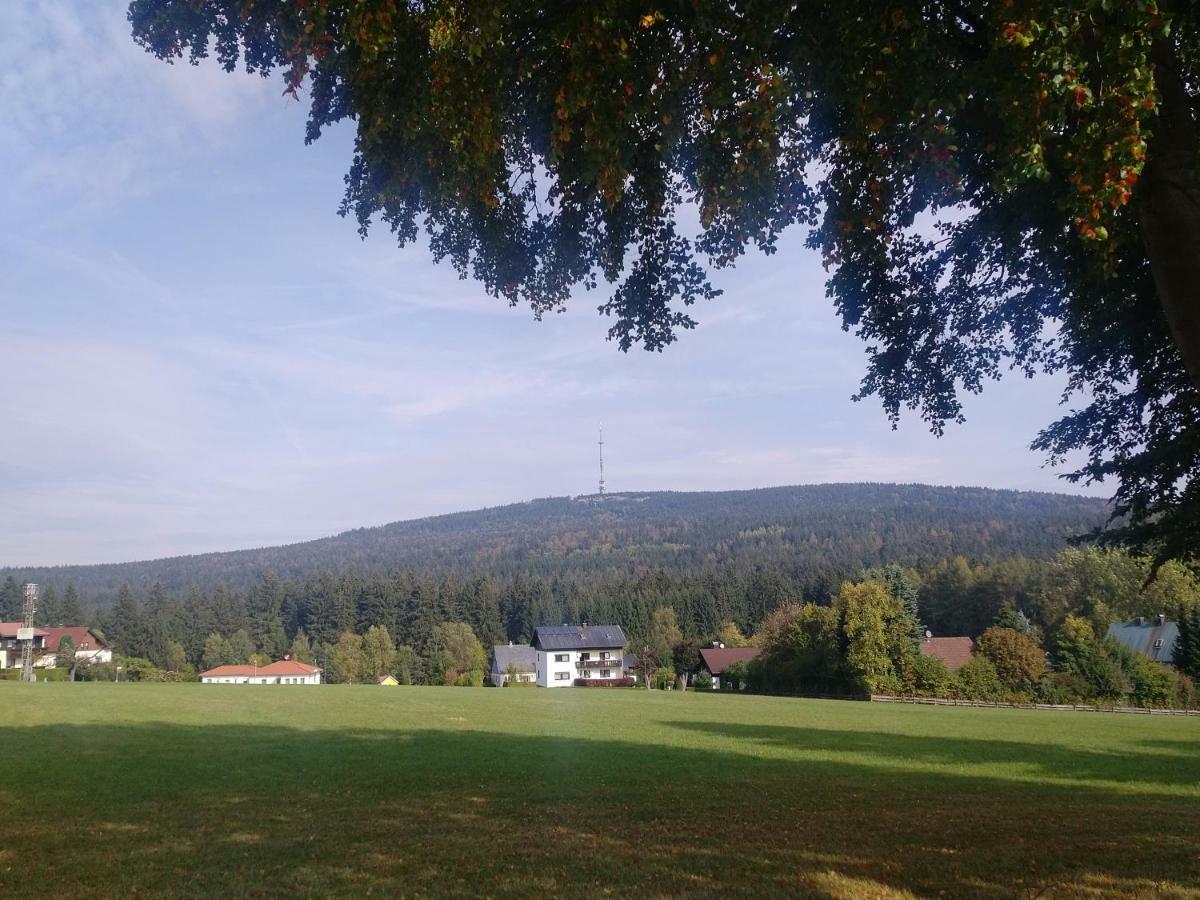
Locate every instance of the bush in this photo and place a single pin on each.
(1150, 684)
(626, 681)
(1018, 658)
(931, 678)
(42, 674)
(703, 681)
(474, 678)
(664, 679)
(979, 680)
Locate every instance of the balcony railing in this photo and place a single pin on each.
(598, 664)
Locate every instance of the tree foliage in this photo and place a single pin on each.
(1020, 662)
(972, 173)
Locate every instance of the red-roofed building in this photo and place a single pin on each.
(285, 671)
(10, 646)
(89, 646)
(717, 659)
(955, 652)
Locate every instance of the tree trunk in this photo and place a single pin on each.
(1169, 208)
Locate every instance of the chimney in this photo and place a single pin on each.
(1162, 619)
(1140, 620)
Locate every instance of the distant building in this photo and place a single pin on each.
(10, 647)
(286, 671)
(1154, 637)
(521, 657)
(955, 652)
(717, 658)
(388, 680)
(632, 665)
(89, 646)
(586, 652)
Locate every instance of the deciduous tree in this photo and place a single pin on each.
(1019, 659)
(1049, 147)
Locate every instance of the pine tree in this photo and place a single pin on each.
(1187, 645)
(49, 610)
(125, 627)
(10, 600)
(70, 610)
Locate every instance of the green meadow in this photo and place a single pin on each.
(204, 790)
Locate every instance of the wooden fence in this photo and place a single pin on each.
(940, 701)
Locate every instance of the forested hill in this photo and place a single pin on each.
(816, 534)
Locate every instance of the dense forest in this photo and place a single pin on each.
(813, 536)
(718, 563)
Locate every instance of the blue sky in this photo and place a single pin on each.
(197, 353)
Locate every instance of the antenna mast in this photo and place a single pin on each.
(602, 461)
(25, 634)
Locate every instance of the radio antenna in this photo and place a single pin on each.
(601, 460)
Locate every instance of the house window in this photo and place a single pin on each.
(1158, 644)
(604, 654)
(587, 673)
(561, 676)
(607, 673)
(562, 657)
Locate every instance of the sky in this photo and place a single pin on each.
(198, 354)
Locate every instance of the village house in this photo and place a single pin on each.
(955, 652)
(717, 658)
(10, 647)
(1153, 637)
(571, 654)
(286, 671)
(90, 647)
(521, 657)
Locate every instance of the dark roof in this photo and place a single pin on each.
(1141, 635)
(522, 656)
(717, 659)
(631, 661)
(955, 652)
(578, 637)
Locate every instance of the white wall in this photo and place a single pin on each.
(550, 668)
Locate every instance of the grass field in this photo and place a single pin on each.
(190, 790)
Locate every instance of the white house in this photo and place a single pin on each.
(286, 671)
(90, 647)
(568, 652)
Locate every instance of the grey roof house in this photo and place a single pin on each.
(580, 655)
(521, 657)
(578, 637)
(1153, 637)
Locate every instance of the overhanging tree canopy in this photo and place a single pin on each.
(994, 185)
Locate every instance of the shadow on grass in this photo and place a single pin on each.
(1152, 769)
(225, 810)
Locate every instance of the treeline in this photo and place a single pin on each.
(814, 536)
(949, 597)
(868, 642)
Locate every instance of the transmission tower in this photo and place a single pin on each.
(25, 634)
(601, 461)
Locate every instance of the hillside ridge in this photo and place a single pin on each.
(860, 523)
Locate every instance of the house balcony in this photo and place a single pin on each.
(598, 664)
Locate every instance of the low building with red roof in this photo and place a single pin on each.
(90, 646)
(10, 646)
(285, 671)
(955, 652)
(718, 658)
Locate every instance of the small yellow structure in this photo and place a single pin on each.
(389, 680)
